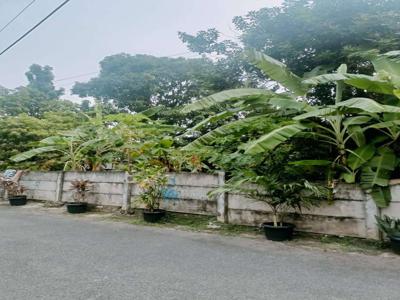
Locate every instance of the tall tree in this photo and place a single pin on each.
(312, 36)
(306, 34)
(37, 97)
(138, 82)
(41, 79)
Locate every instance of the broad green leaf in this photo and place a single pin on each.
(270, 140)
(282, 103)
(378, 169)
(370, 83)
(368, 105)
(31, 153)
(228, 95)
(311, 162)
(277, 71)
(212, 119)
(387, 124)
(370, 177)
(348, 177)
(356, 120)
(360, 156)
(396, 93)
(356, 133)
(388, 67)
(386, 159)
(364, 82)
(381, 196)
(324, 79)
(317, 112)
(221, 131)
(318, 70)
(53, 140)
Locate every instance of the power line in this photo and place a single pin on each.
(34, 27)
(76, 76)
(20, 13)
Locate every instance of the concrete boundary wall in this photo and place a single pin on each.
(185, 192)
(352, 213)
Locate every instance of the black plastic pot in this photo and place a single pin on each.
(280, 233)
(77, 207)
(395, 243)
(17, 200)
(153, 216)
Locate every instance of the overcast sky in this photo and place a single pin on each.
(83, 32)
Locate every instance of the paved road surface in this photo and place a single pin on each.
(49, 256)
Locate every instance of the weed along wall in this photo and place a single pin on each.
(352, 213)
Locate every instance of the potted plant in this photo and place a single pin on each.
(81, 188)
(151, 181)
(281, 196)
(391, 227)
(14, 192)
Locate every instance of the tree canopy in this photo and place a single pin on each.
(310, 37)
(38, 96)
(138, 82)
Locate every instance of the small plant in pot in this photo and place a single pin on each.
(151, 182)
(14, 192)
(81, 188)
(391, 227)
(282, 197)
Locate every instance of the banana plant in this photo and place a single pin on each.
(342, 125)
(69, 147)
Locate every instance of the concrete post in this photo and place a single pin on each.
(371, 210)
(222, 200)
(126, 197)
(59, 186)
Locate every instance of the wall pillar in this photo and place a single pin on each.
(126, 197)
(222, 200)
(371, 210)
(59, 186)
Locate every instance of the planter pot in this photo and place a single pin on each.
(17, 200)
(77, 207)
(280, 233)
(153, 216)
(395, 243)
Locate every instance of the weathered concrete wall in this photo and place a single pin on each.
(394, 208)
(40, 185)
(106, 189)
(351, 214)
(186, 192)
(348, 215)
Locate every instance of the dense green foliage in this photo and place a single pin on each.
(310, 36)
(136, 83)
(308, 92)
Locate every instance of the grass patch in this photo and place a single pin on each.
(190, 222)
(349, 244)
(209, 224)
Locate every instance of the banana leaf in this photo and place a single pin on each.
(224, 96)
(381, 196)
(278, 72)
(276, 137)
(360, 156)
(34, 152)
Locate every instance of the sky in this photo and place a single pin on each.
(83, 32)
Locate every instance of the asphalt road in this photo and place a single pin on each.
(49, 256)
